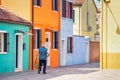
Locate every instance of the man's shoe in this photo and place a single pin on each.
(38, 72)
(44, 73)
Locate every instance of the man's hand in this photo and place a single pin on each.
(47, 55)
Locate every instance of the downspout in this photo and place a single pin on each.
(32, 31)
(79, 20)
(106, 33)
(60, 4)
(102, 38)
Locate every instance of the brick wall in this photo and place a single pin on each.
(94, 51)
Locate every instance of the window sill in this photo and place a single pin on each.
(55, 49)
(37, 6)
(3, 52)
(70, 53)
(55, 11)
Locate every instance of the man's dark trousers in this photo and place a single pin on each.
(40, 65)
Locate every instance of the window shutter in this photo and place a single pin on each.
(63, 8)
(34, 38)
(68, 45)
(52, 4)
(71, 44)
(35, 2)
(56, 40)
(38, 38)
(73, 15)
(71, 8)
(5, 42)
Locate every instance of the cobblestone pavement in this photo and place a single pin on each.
(89, 71)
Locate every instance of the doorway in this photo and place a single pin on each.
(63, 53)
(19, 51)
(48, 46)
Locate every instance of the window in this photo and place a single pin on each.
(63, 8)
(73, 16)
(87, 18)
(55, 39)
(66, 9)
(37, 38)
(70, 44)
(55, 5)
(3, 42)
(69, 10)
(37, 2)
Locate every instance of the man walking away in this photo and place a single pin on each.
(43, 54)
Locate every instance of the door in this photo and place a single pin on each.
(19, 48)
(48, 46)
(87, 49)
(63, 53)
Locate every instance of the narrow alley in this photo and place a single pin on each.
(89, 71)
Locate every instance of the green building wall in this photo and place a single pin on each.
(8, 61)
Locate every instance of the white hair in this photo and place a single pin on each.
(43, 45)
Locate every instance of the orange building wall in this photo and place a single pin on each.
(45, 16)
(48, 20)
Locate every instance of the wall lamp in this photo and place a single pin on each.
(107, 1)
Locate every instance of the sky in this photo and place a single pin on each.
(97, 3)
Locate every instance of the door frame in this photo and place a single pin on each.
(63, 58)
(20, 52)
(48, 58)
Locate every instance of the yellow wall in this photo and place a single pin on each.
(110, 40)
(83, 19)
(20, 7)
(76, 24)
(92, 19)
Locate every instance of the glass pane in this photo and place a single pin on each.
(5, 42)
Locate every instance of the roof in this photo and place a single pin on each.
(97, 10)
(78, 2)
(7, 16)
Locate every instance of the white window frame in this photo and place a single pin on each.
(2, 43)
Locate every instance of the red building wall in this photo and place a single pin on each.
(94, 51)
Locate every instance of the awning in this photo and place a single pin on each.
(20, 31)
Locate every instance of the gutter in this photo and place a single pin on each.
(79, 20)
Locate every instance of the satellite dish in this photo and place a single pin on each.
(89, 28)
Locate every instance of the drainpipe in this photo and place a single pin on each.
(79, 20)
(106, 34)
(102, 37)
(32, 31)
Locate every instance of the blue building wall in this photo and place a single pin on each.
(66, 30)
(80, 50)
(7, 61)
